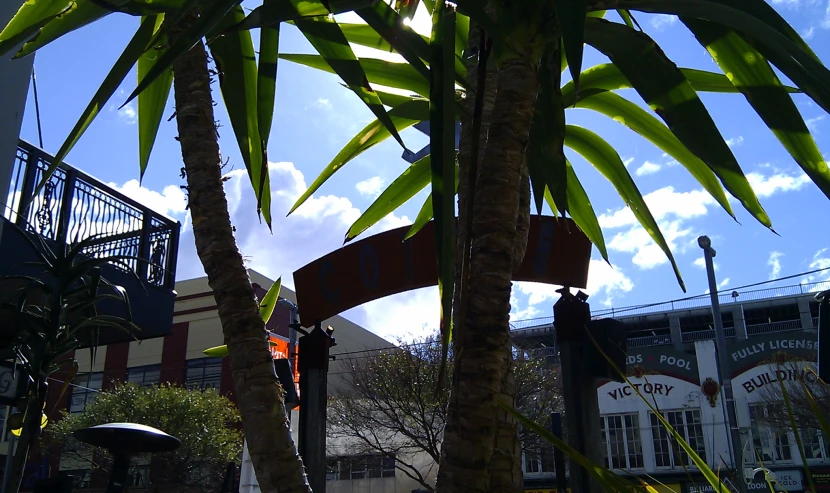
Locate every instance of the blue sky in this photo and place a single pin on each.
(315, 117)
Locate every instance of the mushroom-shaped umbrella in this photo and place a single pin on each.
(124, 440)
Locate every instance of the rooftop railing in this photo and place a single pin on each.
(72, 206)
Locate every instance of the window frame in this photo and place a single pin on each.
(144, 369)
(763, 433)
(83, 385)
(631, 436)
(675, 454)
(201, 366)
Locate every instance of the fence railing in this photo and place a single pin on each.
(72, 206)
(643, 341)
(701, 301)
(784, 326)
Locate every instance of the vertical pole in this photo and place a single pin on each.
(571, 316)
(558, 456)
(7, 473)
(823, 299)
(314, 366)
(735, 445)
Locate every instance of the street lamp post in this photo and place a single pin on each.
(735, 445)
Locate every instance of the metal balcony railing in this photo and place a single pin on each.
(658, 340)
(73, 206)
(784, 326)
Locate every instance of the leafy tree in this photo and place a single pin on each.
(205, 422)
(388, 405)
(509, 59)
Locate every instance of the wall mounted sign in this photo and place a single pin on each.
(771, 348)
(383, 264)
(662, 361)
(774, 375)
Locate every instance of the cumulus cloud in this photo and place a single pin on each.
(604, 282)
(821, 260)
(127, 114)
(700, 263)
(663, 21)
(767, 186)
(812, 123)
(774, 262)
(170, 201)
(648, 168)
(735, 141)
(673, 210)
(371, 187)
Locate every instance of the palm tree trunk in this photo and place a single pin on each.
(259, 396)
(506, 467)
(482, 357)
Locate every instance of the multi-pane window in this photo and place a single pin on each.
(87, 386)
(771, 444)
(813, 442)
(360, 467)
(621, 438)
(203, 373)
(538, 461)
(144, 376)
(667, 451)
(139, 476)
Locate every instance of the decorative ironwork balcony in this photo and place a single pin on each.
(72, 206)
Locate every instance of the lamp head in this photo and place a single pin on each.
(704, 242)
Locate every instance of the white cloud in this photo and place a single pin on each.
(662, 21)
(628, 161)
(663, 203)
(700, 263)
(774, 261)
(648, 168)
(821, 260)
(825, 23)
(724, 283)
(808, 33)
(604, 282)
(127, 114)
(648, 254)
(735, 141)
(170, 201)
(766, 186)
(371, 187)
(812, 123)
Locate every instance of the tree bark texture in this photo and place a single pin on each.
(259, 396)
(483, 356)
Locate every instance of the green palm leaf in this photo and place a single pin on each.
(29, 20)
(390, 74)
(235, 60)
(545, 154)
(640, 121)
(605, 159)
(667, 91)
(327, 39)
(402, 117)
(442, 145)
(269, 45)
(112, 81)
(410, 182)
(151, 102)
(753, 76)
(570, 15)
(270, 14)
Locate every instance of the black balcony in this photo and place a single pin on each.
(73, 206)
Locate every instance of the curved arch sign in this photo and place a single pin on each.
(384, 264)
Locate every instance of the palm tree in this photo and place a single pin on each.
(169, 49)
(507, 58)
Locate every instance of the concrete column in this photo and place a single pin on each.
(739, 322)
(14, 87)
(804, 311)
(676, 335)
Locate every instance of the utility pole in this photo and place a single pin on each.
(823, 299)
(314, 368)
(735, 445)
(571, 316)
